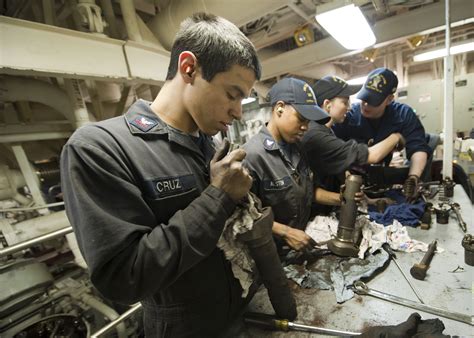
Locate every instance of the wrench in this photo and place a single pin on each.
(461, 222)
(361, 289)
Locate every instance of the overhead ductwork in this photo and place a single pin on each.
(166, 23)
(14, 89)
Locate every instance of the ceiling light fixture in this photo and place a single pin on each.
(441, 52)
(348, 26)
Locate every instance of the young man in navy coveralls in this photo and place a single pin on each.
(148, 196)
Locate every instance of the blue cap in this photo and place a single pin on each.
(380, 83)
(301, 96)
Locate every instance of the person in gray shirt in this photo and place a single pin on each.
(281, 176)
(148, 196)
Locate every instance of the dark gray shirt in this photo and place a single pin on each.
(329, 155)
(280, 182)
(147, 221)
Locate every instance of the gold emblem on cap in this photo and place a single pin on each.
(339, 80)
(309, 93)
(376, 83)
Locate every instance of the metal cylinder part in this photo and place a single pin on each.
(468, 245)
(344, 244)
(442, 214)
(448, 187)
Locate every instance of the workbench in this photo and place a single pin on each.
(441, 288)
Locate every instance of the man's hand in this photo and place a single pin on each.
(227, 172)
(298, 239)
(411, 188)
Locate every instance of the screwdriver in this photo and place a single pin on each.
(392, 255)
(270, 322)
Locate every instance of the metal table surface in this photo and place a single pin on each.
(441, 288)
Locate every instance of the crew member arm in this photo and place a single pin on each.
(379, 151)
(326, 197)
(417, 163)
(329, 155)
(130, 255)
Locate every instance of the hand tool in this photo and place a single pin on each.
(456, 207)
(418, 270)
(270, 322)
(361, 289)
(393, 256)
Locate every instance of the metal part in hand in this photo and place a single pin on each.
(361, 289)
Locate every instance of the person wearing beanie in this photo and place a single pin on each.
(378, 116)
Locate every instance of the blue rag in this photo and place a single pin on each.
(405, 213)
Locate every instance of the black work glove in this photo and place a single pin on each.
(411, 188)
(414, 326)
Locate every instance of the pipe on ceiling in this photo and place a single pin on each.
(14, 89)
(166, 23)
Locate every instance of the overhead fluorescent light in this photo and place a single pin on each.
(357, 80)
(248, 100)
(348, 26)
(441, 52)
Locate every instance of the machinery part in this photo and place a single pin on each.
(392, 255)
(344, 244)
(117, 321)
(468, 245)
(107, 311)
(426, 217)
(411, 188)
(62, 325)
(26, 244)
(22, 282)
(263, 250)
(456, 207)
(35, 207)
(269, 322)
(442, 213)
(447, 189)
(361, 289)
(418, 271)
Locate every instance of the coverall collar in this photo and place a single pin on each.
(141, 121)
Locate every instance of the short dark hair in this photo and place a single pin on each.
(217, 44)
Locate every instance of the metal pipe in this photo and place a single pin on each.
(448, 99)
(29, 243)
(130, 20)
(117, 321)
(33, 207)
(107, 311)
(110, 18)
(302, 14)
(29, 174)
(14, 89)
(54, 135)
(49, 12)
